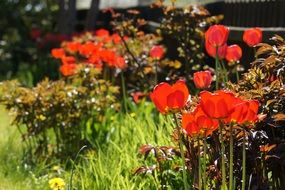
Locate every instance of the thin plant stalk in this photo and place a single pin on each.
(72, 169)
(231, 157)
(124, 92)
(156, 68)
(217, 68)
(254, 52)
(199, 168)
(223, 164)
(182, 155)
(243, 161)
(204, 162)
(237, 75)
(225, 77)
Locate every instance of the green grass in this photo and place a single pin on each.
(11, 174)
(108, 166)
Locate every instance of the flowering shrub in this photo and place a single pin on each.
(230, 138)
(100, 50)
(68, 109)
(109, 53)
(209, 126)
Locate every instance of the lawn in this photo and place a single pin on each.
(109, 166)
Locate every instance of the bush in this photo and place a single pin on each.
(57, 118)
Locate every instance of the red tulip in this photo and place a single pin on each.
(156, 52)
(203, 121)
(198, 122)
(67, 69)
(217, 35)
(218, 105)
(252, 36)
(89, 48)
(73, 46)
(57, 53)
(189, 124)
(245, 112)
(95, 60)
(233, 53)
(202, 79)
(252, 111)
(170, 98)
(120, 63)
(102, 33)
(211, 50)
(66, 60)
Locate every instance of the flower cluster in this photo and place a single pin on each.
(220, 106)
(99, 50)
(216, 41)
(212, 109)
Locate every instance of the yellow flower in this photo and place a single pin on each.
(57, 184)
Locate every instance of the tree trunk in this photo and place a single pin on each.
(92, 15)
(67, 16)
(61, 17)
(71, 16)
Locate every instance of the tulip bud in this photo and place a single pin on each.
(202, 79)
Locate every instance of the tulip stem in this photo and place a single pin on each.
(237, 75)
(182, 154)
(204, 162)
(199, 169)
(254, 52)
(231, 157)
(243, 161)
(222, 157)
(225, 77)
(217, 69)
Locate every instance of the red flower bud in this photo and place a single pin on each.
(156, 52)
(252, 36)
(202, 79)
(233, 53)
(102, 33)
(217, 35)
(67, 69)
(57, 53)
(211, 50)
(73, 46)
(68, 60)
